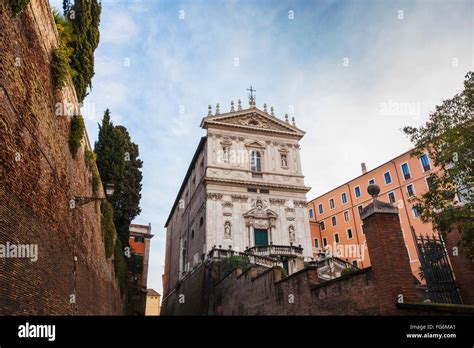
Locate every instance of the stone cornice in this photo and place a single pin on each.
(240, 169)
(251, 111)
(246, 183)
(249, 129)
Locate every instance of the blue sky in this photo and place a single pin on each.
(335, 65)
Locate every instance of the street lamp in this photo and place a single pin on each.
(109, 191)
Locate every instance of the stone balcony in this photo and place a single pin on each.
(276, 251)
(260, 260)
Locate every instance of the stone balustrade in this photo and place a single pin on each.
(276, 250)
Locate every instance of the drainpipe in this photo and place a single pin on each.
(353, 216)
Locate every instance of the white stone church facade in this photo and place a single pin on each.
(244, 190)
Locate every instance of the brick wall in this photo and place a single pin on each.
(40, 177)
(463, 266)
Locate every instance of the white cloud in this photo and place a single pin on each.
(118, 28)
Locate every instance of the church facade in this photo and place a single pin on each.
(244, 191)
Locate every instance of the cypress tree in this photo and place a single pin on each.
(117, 161)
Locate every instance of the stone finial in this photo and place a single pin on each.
(286, 118)
(218, 109)
(293, 122)
(373, 190)
(265, 107)
(232, 105)
(239, 105)
(272, 111)
(377, 206)
(209, 112)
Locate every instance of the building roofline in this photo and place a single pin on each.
(186, 177)
(357, 177)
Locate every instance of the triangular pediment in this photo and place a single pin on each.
(252, 119)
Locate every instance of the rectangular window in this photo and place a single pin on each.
(410, 190)
(331, 204)
(322, 225)
(372, 182)
(251, 189)
(391, 197)
(357, 191)
(343, 198)
(346, 215)
(359, 208)
(311, 213)
(336, 237)
(325, 242)
(334, 221)
(406, 171)
(349, 233)
(354, 263)
(320, 208)
(425, 162)
(139, 240)
(429, 183)
(316, 244)
(416, 212)
(264, 191)
(387, 177)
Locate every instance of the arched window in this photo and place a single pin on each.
(255, 161)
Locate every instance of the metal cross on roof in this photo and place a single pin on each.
(251, 97)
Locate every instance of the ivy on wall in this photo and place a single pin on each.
(90, 158)
(75, 134)
(108, 228)
(120, 266)
(17, 6)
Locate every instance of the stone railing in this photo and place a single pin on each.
(276, 250)
(253, 259)
(331, 260)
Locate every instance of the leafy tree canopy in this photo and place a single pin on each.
(448, 137)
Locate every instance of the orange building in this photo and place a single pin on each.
(139, 241)
(335, 222)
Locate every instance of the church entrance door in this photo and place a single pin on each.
(261, 237)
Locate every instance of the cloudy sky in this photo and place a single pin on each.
(353, 73)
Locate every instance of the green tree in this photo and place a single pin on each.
(67, 7)
(448, 137)
(85, 23)
(117, 161)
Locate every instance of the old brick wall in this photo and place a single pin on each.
(39, 177)
(463, 266)
(249, 293)
(192, 296)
